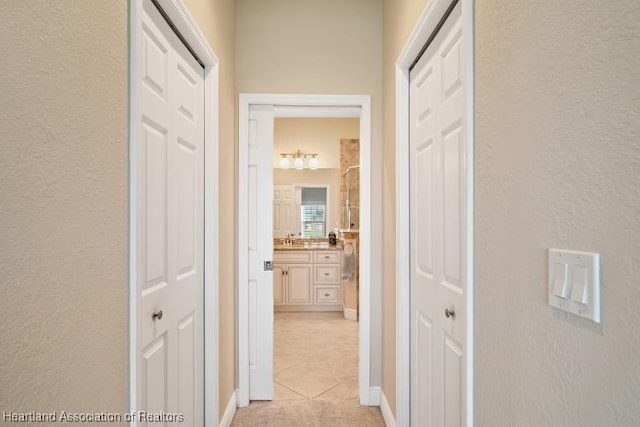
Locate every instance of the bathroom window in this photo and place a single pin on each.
(313, 210)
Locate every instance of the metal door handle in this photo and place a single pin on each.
(157, 315)
(449, 313)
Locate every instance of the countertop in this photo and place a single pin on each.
(308, 246)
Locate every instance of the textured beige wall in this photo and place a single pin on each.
(557, 165)
(400, 17)
(216, 19)
(313, 135)
(63, 215)
(64, 311)
(310, 46)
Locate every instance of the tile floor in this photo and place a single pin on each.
(315, 375)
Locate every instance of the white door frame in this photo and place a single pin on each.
(425, 26)
(189, 31)
(291, 105)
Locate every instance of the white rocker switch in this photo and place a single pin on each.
(574, 282)
(560, 281)
(579, 288)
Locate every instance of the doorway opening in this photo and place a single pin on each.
(314, 277)
(314, 106)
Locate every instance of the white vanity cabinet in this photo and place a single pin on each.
(292, 283)
(306, 280)
(326, 278)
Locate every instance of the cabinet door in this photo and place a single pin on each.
(299, 283)
(278, 283)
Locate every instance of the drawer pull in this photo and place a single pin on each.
(326, 274)
(326, 295)
(327, 257)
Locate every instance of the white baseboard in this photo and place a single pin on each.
(389, 420)
(374, 396)
(229, 411)
(350, 314)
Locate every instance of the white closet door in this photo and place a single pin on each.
(170, 176)
(438, 217)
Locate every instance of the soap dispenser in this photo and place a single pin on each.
(332, 239)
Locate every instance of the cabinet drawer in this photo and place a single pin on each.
(292, 256)
(329, 273)
(326, 256)
(327, 295)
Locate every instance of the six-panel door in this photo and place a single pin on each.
(170, 222)
(438, 223)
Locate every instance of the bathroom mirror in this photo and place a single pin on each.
(303, 210)
(311, 202)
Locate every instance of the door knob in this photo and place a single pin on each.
(157, 315)
(449, 313)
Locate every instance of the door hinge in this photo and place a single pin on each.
(268, 266)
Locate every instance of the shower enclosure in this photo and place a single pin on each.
(351, 198)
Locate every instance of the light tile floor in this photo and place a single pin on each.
(315, 375)
(315, 353)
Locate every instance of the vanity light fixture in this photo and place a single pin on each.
(313, 162)
(299, 160)
(284, 161)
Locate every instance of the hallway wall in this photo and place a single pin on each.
(63, 169)
(64, 172)
(309, 46)
(557, 165)
(557, 146)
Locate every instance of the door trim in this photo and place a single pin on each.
(184, 23)
(426, 24)
(311, 106)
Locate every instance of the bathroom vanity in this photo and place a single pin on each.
(307, 277)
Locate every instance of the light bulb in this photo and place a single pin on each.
(299, 163)
(284, 162)
(313, 163)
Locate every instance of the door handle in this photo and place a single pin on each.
(157, 315)
(449, 314)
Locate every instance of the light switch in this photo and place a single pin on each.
(579, 286)
(560, 281)
(574, 282)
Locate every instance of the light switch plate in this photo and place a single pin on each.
(574, 282)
